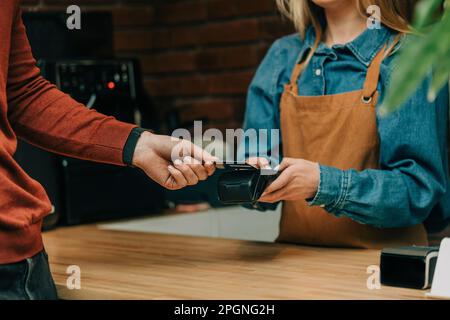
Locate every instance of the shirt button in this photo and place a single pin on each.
(318, 72)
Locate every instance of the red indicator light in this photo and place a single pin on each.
(111, 85)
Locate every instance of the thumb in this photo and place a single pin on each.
(279, 182)
(202, 155)
(285, 163)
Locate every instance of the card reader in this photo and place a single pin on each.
(409, 267)
(243, 184)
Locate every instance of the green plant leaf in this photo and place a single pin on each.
(424, 11)
(441, 75)
(415, 60)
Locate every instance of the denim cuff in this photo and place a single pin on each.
(332, 190)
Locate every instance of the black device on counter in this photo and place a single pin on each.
(408, 267)
(242, 183)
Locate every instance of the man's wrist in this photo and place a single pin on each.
(129, 149)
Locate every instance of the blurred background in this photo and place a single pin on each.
(197, 56)
(161, 64)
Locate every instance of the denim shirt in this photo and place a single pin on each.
(411, 185)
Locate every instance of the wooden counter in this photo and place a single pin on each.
(124, 265)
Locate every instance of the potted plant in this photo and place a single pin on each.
(431, 24)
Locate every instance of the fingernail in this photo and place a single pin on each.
(188, 160)
(177, 162)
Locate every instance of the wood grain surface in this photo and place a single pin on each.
(128, 265)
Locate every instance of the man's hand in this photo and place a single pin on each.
(171, 162)
(299, 180)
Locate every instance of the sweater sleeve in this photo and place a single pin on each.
(44, 116)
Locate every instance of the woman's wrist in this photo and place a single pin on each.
(332, 189)
(313, 181)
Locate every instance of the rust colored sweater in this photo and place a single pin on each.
(33, 109)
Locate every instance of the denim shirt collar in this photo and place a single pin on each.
(364, 47)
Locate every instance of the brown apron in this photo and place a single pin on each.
(338, 130)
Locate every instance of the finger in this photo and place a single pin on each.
(197, 167)
(273, 197)
(259, 162)
(201, 155)
(279, 182)
(210, 167)
(171, 184)
(263, 163)
(253, 161)
(285, 163)
(187, 172)
(190, 161)
(178, 149)
(177, 177)
(207, 157)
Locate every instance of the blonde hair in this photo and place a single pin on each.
(304, 13)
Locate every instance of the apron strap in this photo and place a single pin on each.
(295, 75)
(373, 72)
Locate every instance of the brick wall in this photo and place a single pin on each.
(198, 56)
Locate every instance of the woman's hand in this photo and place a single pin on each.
(299, 180)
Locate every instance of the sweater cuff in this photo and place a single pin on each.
(130, 145)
